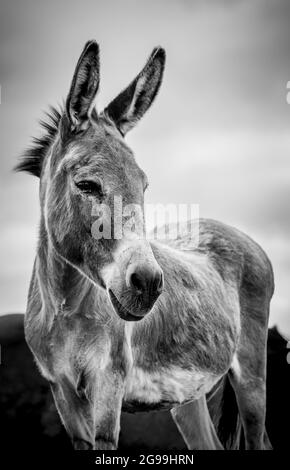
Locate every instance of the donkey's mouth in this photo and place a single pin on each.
(121, 310)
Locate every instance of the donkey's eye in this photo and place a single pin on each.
(90, 187)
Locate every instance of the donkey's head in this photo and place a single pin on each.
(92, 189)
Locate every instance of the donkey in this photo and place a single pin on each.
(125, 322)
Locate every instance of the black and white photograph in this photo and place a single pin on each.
(144, 237)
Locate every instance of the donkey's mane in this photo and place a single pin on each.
(32, 158)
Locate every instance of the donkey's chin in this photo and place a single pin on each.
(122, 311)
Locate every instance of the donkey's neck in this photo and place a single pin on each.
(63, 287)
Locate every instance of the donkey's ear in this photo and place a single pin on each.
(128, 107)
(85, 84)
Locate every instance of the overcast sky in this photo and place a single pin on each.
(218, 134)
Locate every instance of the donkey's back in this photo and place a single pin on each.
(233, 253)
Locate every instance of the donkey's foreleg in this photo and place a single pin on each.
(195, 425)
(91, 412)
(109, 396)
(76, 413)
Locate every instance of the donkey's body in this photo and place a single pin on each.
(210, 319)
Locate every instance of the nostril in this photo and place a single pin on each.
(146, 281)
(137, 282)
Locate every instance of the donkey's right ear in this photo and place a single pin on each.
(84, 87)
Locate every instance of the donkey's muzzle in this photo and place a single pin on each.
(135, 281)
(145, 281)
(144, 284)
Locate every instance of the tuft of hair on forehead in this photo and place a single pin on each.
(32, 159)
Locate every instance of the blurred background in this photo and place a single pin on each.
(218, 134)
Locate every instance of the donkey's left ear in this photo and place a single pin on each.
(84, 87)
(130, 105)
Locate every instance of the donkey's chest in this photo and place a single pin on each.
(165, 388)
